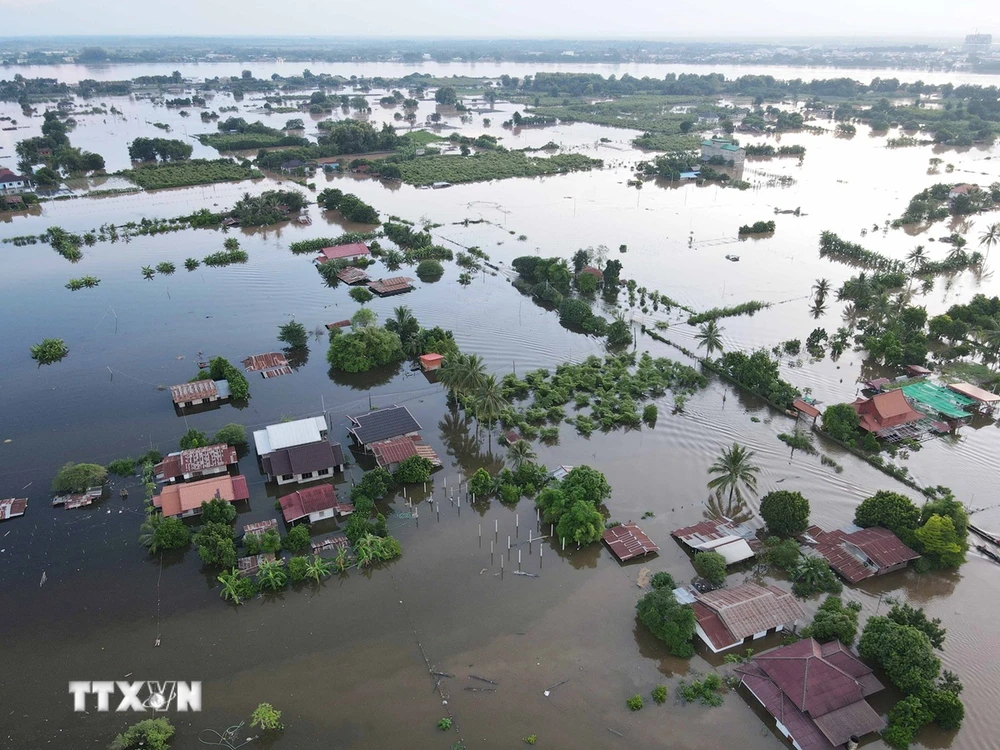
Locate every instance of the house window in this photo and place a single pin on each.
(322, 472)
(307, 475)
(287, 477)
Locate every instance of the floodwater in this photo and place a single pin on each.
(348, 662)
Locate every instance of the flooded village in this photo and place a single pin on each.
(481, 406)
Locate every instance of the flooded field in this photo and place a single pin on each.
(348, 662)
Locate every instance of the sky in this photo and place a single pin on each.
(636, 19)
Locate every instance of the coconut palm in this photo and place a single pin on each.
(710, 337)
(147, 532)
(916, 258)
(812, 573)
(318, 568)
(271, 575)
(488, 402)
(990, 237)
(719, 509)
(735, 470)
(231, 586)
(403, 324)
(821, 289)
(147, 272)
(989, 340)
(521, 453)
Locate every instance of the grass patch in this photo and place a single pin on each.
(194, 172)
(491, 165)
(666, 142)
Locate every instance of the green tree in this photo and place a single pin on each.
(298, 567)
(905, 614)
(271, 575)
(905, 719)
(939, 541)
(429, 270)
(297, 539)
(782, 553)
(585, 483)
(318, 568)
(294, 334)
(670, 621)
(218, 510)
(947, 709)
(586, 283)
(413, 470)
(403, 324)
(813, 575)
(581, 523)
(834, 621)
(840, 421)
(663, 580)
(446, 95)
(266, 717)
(236, 587)
(78, 477)
(215, 545)
(903, 652)
(364, 349)
(193, 439)
(711, 566)
(363, 318)
(489, 403)
(480, 483)
(889, 510)
(360, 294)
(710, 337)
(990, 237)
(520, 453)
(158, 533)
(735, 471)
(232, 434)
(148, 734)
(786, 513)
(270, 541)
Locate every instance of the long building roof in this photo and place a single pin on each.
(749, 609)
(175, 499)
(193, 391)
(286, 434)
(383, 424)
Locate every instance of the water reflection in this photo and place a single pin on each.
(735, 508)
(363, 381)
(652, 648)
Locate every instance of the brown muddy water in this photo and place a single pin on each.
(347, 662)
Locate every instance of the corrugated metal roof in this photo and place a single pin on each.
(392, 285)
(261, 526)
(330, 543)
(751, 608)
(392, 451)
(383, 424)
(628, 541)
(352, 275)
(286, 434)
(732, 541)
(207, 457)
(857, 554)
(351, 250)
(270, 360)
(975, 392)
(310, 500)
(808, 409)
(194, 391)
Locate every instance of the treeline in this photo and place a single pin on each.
(832, 246)
(744, 308)
(766, 149)
(165, 149)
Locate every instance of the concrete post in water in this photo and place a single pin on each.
(425, 488)
(529, 541)
(552, 529)
(480, 535)
(541, 551)
(519, 559)
(437, 507)
(538, 518)
(564, 544)
(517, 525)
(496, 526)
(491, 551)
(508, 542)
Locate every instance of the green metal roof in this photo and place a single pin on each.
(721, 144)
(938, 399)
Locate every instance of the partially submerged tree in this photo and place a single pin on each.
(786, 513)
(735, 471)
(78, 477)
(669, 620)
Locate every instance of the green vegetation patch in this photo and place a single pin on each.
(194, 172)
(491, 165)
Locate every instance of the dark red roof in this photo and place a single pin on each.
(393, 451)
(808, 409)
(816, 691)
(351, 250)
(592, 271)
(881, 547)
(338, 324)
(258, 362)
(393, 285)
(240, 489)
(627, 541)
(310, 500)
(884, 410)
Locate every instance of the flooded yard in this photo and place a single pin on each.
(347, 662)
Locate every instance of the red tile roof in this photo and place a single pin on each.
(431, 360)
(883, 410)
(808, 409)
(181, 498)
(816, 691)
(198, 389)
(628, 541)
(880, 546)
(310, 500)
(258, 362)
(592, 271)
(352, 250)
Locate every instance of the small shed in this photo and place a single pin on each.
(917, 371)
(12, 507)
(431, 362)
(331, 543)
(79, 499)
(260, 527)
(806, 409)
(627, 541)
(390, 286)
(511, 437)
(199, 392)
(352, 275)
(249, 566)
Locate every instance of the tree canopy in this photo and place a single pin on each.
(364, 349)
(79, 477)
(786, 513)
(669, 620)
(834, 620)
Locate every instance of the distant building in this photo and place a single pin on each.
(724, 148)
(978, 43)
(199, 392)
(595, 272)
(390, 286)
(962, 189)
(884, 411)
(734, 616)
(815, 692)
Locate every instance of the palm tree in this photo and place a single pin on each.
(147, 272)
(403, 324)
(710, 337)
(318, 568)
(521, 453)
(821, 288)
(989, 339)
(812, 573)
(990, 237)
(451, 372)
(230, 586)
(734, 468)
(488, 402)
(732, 510)
(147, 532)
(916, 257)
(473, 375)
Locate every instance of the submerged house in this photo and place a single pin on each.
(627, 541)
(734, 616)
(383, 424)
(185, 499)
(857, 554)
(199, 392)
(392, 285)
(721, 147)
(734, 542)
(351, 251)
(12, 507)
(815, 692)
(314, 504)
(389, 454)
(196, 463)
(885, 411)
(298, 451)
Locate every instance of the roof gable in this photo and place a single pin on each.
(383, 424)
(749, 609)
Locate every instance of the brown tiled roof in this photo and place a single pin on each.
(352, 275)
(258, 362)
(817, 692)
(181, 498)
(351, 250)
(881, 546)
(393, 451)
(592, 271)
(627, 541)
(193, 391)
(338, 324)
(391, 285)
(888, 409)
(808, 409)
(751, 608)
(310, 500)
